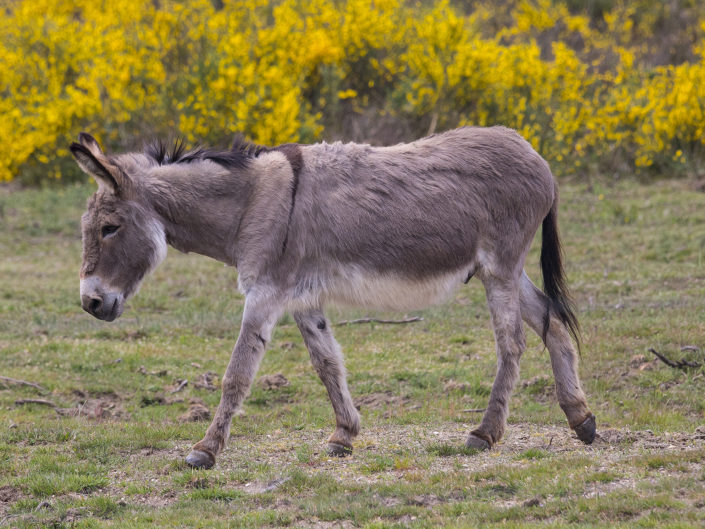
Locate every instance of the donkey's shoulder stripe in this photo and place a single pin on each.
(292, 151)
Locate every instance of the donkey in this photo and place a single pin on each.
(394, 228)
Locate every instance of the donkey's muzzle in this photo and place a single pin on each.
(106, 307)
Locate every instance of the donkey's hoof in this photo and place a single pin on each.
(200, 459)
(586, 430)
(338, 450)
(477, 443)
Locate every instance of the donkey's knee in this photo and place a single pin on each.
(235, 388)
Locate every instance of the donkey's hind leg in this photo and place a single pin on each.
(327, 359)
(564, 360)
(503, 301)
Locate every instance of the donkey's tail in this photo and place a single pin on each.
(554, 284)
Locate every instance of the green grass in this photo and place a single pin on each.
(635, 255)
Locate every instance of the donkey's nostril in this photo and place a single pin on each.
(92, 304)
(95, 304)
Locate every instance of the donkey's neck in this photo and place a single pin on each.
(201, 206)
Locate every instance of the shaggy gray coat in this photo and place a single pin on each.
(306, 226)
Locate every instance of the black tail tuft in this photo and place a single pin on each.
(554, 285)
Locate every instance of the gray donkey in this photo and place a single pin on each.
(394, 228)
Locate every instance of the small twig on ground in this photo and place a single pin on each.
(19, 382)
(274, 485)
(678, 364)
(690, 348)
(181, 386)
(44, 402)
(8, 518)
(474, 410)
(161, 373)
(376, 320)
(43, 505)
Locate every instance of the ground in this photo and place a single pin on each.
(107, 446)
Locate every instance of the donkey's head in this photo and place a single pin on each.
(123, 239)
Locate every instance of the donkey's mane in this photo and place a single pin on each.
(238, 157)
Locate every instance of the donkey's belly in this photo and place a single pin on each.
(359, 288)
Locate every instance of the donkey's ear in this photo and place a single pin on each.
(91, 165)
(90, 143)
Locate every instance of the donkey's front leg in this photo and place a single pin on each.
(258, 320)
(327, 359)
(503, 301)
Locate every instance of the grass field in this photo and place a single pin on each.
(108, 451)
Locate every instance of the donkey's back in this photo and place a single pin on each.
(399, 227)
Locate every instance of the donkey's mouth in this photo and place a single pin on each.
(115, 311)
(104, 311)
(104, 304)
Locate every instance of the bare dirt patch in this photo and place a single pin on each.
(379, 400)
(279, 452)
(207, 381)
(271, 382)
(100, 408)
(454, 385)
(315, 523)
(646, 439)
(385, 440)
(197, 411)
(425, 500)
(8, 496)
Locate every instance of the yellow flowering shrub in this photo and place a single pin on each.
(591, 92)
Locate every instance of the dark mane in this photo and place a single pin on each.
(160, 152)
(239, 155)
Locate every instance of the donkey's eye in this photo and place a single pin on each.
(108, 230)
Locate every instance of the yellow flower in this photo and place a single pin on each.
(276, 71)
(347, 94)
